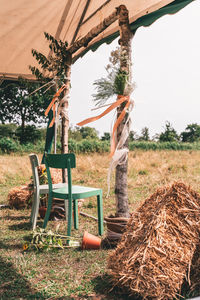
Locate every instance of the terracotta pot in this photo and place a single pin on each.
(90, 241)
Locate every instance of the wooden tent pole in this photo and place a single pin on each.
(65, 119)
(121, 191)
(83, 42)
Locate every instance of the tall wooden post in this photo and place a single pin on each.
(65, 119)
(121, 191)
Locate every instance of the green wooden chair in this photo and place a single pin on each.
(70, 193)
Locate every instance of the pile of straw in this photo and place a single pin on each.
(56, 175)
(20, 197)
(156, 252)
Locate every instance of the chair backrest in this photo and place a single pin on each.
(34, 164)
(60, 161)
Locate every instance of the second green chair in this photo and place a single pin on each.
(70, 193)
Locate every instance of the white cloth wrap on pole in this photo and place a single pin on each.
(63, 110)
(121, 153)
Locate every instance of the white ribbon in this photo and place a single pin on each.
(120, 155)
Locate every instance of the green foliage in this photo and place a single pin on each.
(86, 132)
(8, 130)
(19, 106)
(45, 240)
(133, 136)
(105, 136)
(28, 134)
(191, 133)
(144, 134)
(88, 146)
(169, 134)
(121, 79)
(163, 146)
(8, 145)
(74, 133)
(114, 83)
(55, 64)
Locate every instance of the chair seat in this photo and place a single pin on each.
(44, 188)
(77, 192)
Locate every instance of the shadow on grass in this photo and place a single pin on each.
(23, 226)
(14, 286)
(103, 286)
(10, 246)
(15, 218)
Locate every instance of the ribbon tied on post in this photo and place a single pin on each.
(53, 106)
(120, 99)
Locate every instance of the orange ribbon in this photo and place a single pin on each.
(52, 104)
(120, 100)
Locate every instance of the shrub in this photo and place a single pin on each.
(28, 134)
(163, 146)
(8, 130)
(8, 145)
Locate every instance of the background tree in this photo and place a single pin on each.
(191, 133)
(74, 133)
(133, 136)
(8, 130)
(105, 136)
(144, 134)
(87, 132)
(19, 106)
(169, 134)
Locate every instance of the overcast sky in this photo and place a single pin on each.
(166, 71)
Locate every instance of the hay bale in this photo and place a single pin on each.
(194, 284)
(156, 251)
(20, 197)
(56, 175)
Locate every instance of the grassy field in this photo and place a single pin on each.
(76, 274)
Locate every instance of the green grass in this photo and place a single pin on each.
(73, 273)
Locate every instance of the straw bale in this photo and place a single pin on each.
(195, 271)
(56, 175)
(155, 254)
(20, 197)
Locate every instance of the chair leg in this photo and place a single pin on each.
(69, 223)
(47, 215)
(33, 207)
(36, 209)
(66, 209)
(100, 213)
(76, 214)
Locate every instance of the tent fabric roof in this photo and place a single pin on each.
(23, 23)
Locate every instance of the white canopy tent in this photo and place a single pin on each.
(23, 23)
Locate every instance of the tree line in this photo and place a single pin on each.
(31, 133)
(22, 112)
